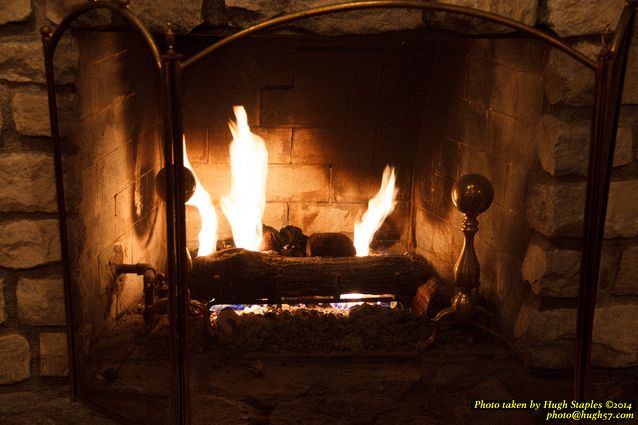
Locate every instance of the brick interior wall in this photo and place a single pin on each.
(117, 216)
(333, 113)
(481, 117)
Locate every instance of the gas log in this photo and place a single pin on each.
(329, 245)
(237, 276)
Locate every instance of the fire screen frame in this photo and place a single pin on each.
(609, 72)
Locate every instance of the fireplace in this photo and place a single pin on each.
(333, 112)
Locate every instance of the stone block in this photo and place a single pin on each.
(29, 243)
(265, 8)
(3, 308)
(622, 220)
(545, 336)
(23, 61)
(567, 81)
(355, 22)
(551, 271)
(589, 17)
(30, 112)
(53, 354)
(15, 356)
(56, 10)
(556, 209)
(28, 181)
(630, 89)
(15, 11)
(563, 145)
(525, 11)
(40, 301)
(626, 282)
(624, 143)
(184, 15)
(214, 12)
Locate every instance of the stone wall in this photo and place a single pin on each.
(32, 338)
(31, 330)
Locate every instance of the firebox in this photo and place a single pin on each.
(270, 201)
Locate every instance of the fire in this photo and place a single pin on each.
(244, 205)
(379, 207)
(202, 201)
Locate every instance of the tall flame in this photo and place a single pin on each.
(379, 208)
(244, 205)
(202, 201)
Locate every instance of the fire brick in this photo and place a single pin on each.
(332, 146)
(278, 143)
(326, 217)
(360, 183)
(298, 183)
(286, 107)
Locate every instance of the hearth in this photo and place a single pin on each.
(193, 248)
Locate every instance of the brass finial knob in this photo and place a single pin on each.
(170, 37)
(472, 194)
(189, 183)
(45, 31)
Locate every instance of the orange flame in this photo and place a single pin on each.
(202, 201)
(379, 207)
(244, 206)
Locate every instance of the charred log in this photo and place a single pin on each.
(270, 240)
(243, 277)
(329, 245)
(292, 241)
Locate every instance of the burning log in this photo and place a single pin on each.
(238, 276)
(329, 245)
(270, 241)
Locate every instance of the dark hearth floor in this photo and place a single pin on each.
(264, 389)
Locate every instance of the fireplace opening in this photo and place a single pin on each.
(289, 315)
(332, 114)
